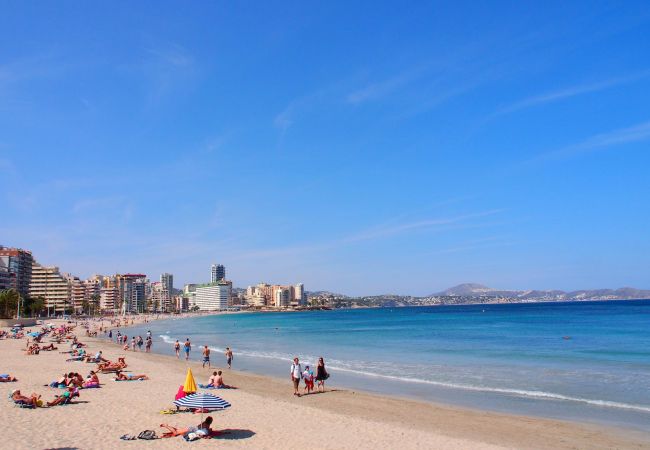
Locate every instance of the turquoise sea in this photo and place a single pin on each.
(588, 361)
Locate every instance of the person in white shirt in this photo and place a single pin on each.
(296, 375)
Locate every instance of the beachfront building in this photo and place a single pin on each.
(213, 296)
(133, 292)
(109, 299)
(282, 296)
(53, 287)
(160, 297)
(189, 292)
(16, 264)
(7, 279)
(217, 273)
(298, 298)
(77, 292)
(167, 280)
(181, 304)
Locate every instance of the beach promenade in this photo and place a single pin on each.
(264, 414)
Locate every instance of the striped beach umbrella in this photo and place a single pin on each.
(202, 401)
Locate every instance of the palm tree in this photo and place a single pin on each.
(9, 300)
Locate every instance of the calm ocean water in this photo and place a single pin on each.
(510, 358)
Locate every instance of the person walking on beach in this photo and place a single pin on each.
(147, 345)
(321, 374)
(177, 349)
(140, 342)
(296, 374)
(187, 346)
(206, 356)
(308, 376)
(229, 357)
(133, 343)
(118, 338)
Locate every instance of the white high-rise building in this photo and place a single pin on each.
(299, 294)
(213, 296)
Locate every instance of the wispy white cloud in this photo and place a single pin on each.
(569, 92)
(374, 233)
(384, 232)
(173, 54)
(636, 133)
(384, 87)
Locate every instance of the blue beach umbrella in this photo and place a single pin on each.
(202, 401)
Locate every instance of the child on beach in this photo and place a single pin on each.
(308, 376)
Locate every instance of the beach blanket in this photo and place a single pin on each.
(207, 386)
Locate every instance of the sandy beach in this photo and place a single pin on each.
(264, 414)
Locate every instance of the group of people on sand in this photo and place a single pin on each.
(71, 382)
(308, 376)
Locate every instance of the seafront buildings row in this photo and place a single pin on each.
(134, 292)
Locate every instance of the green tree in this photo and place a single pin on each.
(94, 303)
(9, 299)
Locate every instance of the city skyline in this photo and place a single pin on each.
(437, 149)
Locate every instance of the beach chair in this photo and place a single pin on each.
(20, 403)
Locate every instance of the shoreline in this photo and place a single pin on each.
(261, 406)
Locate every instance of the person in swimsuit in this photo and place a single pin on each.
(229, 357)
(206, 356)
(188, 347)
(177, 349)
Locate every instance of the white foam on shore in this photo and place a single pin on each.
(542, 395)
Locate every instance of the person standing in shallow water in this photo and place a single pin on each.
(206, 356)
(188, 347)
(229, 357)
(177, 349)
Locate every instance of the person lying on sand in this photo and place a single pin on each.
(119, 376)
(65, 397)
(17, 397)
(111, 366)
(204, 429)
(48, 348)
(6, 378)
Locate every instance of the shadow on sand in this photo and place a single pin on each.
(234, 434)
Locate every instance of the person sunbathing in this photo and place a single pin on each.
(216, 381)
(6, 378)
(32, 400)
(67, 395)
(75, 380)
(119, 376)
(48, 348)
(92, 380)
(112, 367)
(203, 429)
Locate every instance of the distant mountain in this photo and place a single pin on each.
(467, 289)
(479, 290)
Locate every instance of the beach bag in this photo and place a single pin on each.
(147, 435)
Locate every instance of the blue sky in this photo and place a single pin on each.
(361, 148)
